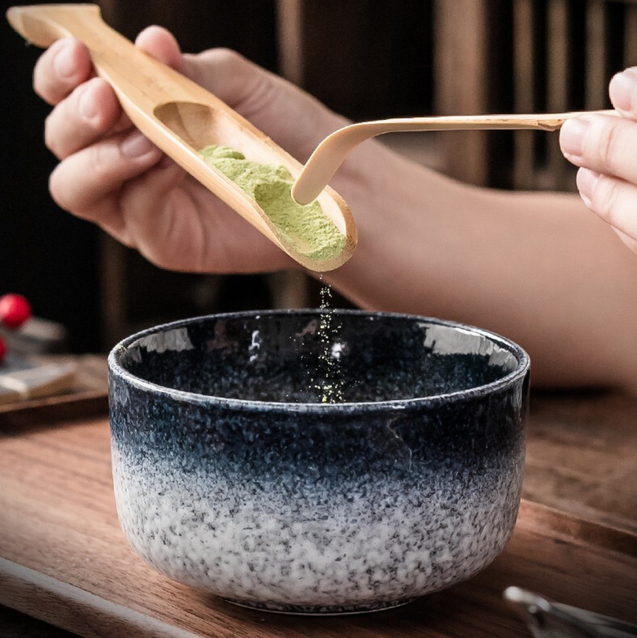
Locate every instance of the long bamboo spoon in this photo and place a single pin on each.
(333, 150)
(179, 116)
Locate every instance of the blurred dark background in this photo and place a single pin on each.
(364, 58)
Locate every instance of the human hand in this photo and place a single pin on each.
(605, 147)
(112, 175)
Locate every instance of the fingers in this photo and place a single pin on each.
(82, 118)
(605, 149)
(66, 63)
(150, 196)
(162, 45)
(164, 222)
(268, 101)
(80, 182)
(60, 69)
(88, 130)
(614, 200)
(623, 92)
(179, 225)
(629, 241)
(87, 108)
(227, 74)
(602, 143)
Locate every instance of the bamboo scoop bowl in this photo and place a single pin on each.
(333, 150)
(179, 116)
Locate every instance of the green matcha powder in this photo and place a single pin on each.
(306, 228)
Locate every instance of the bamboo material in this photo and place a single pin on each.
(333, 150)
(179, 116)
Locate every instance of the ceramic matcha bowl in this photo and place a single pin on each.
(231, 474)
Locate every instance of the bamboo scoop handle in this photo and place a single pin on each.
(140, 82)
(333, 150)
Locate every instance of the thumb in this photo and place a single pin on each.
(223, 72)
(623, 92)
(228, 75)
(269, 101)
(162, 45)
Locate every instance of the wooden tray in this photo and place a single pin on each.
(63, 558)
(87, 388)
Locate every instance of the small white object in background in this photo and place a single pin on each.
(36, 336)
(22, 379)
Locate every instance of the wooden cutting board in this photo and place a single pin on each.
(63, 558)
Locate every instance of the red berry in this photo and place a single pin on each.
(3, 349)
(14, 310)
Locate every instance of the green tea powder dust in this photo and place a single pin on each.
(306, 228)
(330, 386)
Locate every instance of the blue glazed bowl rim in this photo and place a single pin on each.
(115, 369)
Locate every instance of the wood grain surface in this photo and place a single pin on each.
(64, 559)
(581, 455)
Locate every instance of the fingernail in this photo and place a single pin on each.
(572, 136)
(586, 180)
(87, 105)
(64, 63)
(622, 87)
(136, 145)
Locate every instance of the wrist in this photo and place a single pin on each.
(408, 217)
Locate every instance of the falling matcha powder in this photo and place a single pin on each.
(306, 228)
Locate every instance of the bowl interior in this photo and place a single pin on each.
(316, 357)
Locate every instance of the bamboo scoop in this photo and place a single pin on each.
(179, 116)
(333, 150)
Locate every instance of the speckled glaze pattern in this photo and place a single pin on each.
(231, 476)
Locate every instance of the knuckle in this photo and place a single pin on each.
(205, 254)
(58, 192)
(42, 76)
(40, 86)
(607, 143)
(100, 160)
(50, 137)
(45, 88)
(229, 58)
(605, 199)
(258, 95)
(623, 91)
(155, 256)
(226, 62)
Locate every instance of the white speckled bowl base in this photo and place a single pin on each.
(300, 553)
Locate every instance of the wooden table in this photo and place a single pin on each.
(581, 463)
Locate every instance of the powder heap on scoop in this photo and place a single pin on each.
(306, 228)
